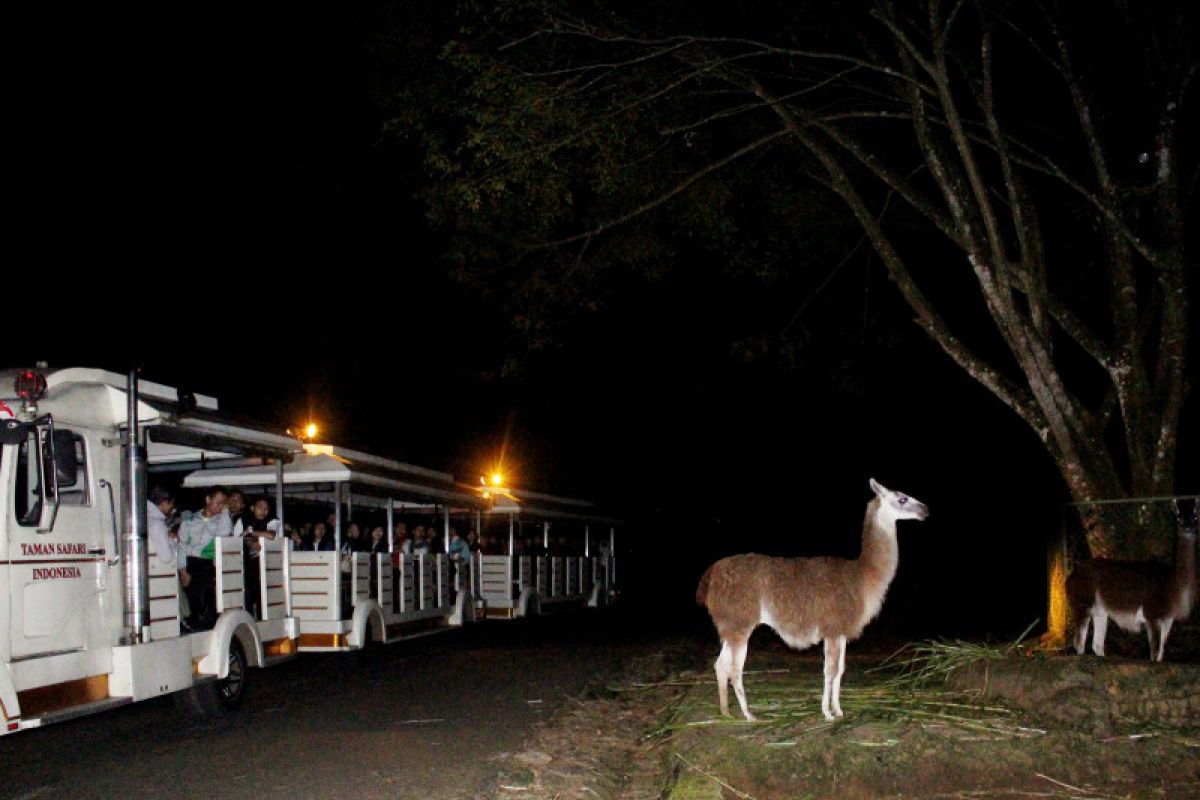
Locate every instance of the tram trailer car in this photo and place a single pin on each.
(89, 619)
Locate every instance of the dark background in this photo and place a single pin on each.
(205, 192)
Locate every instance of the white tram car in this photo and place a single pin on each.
(89, 618)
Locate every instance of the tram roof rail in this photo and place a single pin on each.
(148, 390)
(369, 477)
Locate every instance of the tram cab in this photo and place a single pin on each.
(89, 617)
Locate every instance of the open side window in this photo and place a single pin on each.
(49, 463)
(30, 472)
(77, 492)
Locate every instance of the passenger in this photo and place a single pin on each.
(354, 541)
(322, 539)
(378, 542)
(237, 509)
(160, 508)
(162, 531)
(460, 555)
(401, 544)
(197, 535)
(259, 525)
(420, 543)
(473, 541)
(295, 540)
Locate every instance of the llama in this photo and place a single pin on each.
(805, 600)
(1136, 593)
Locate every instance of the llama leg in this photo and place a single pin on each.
(1081, 632)
(831, 659)
(1100, 625)
(837, 678)
(1163, 632)
(739, 660)
(1151, 629)
(723, 669)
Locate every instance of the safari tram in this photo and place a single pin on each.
(92, 615)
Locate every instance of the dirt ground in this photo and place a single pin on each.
(1019, 727)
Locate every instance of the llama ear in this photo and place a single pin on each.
(877, 487)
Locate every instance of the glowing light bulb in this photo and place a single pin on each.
(310, 430)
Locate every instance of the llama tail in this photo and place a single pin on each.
(702, 589)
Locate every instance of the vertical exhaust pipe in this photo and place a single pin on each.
(136, 568)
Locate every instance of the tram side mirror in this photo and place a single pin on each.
(66, 466)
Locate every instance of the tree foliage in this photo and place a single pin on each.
(1023, 172)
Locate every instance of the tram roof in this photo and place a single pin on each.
(372, 479)
(184, 427)
(536, 505)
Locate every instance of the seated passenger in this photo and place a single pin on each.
(401, 544)
(379, 543)
(353, 542)
(197, 536)
(420, 545)
(322, 540)
(236, 506)
(460, 556)
(253, 529)
(160, 508)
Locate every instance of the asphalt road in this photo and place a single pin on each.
(416, 719)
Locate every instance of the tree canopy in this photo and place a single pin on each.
(1022, 172)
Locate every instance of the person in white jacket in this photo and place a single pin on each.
(160, 508)
(196, 553)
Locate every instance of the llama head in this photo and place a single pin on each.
(898, 505)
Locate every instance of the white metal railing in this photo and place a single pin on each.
(164, 591)
(556, 576)
(495, 581)
(231, 592)
(442, 562)
(408, 584)
(384, 589)
(273, 580)
(360, 578)
(571, 566)
(315, 583)
(585, 575)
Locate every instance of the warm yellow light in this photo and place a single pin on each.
(497, 479)
(310, 430)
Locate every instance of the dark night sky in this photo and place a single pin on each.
(202, 192)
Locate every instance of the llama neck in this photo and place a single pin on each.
(880, 557)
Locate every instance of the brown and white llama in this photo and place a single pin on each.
(1134, 594)
(805, 600)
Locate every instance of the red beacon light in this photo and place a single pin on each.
(30, 385)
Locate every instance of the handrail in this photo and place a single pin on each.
(112, 508)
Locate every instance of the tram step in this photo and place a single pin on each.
(80, 710)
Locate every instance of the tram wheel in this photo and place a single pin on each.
(220, 697)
